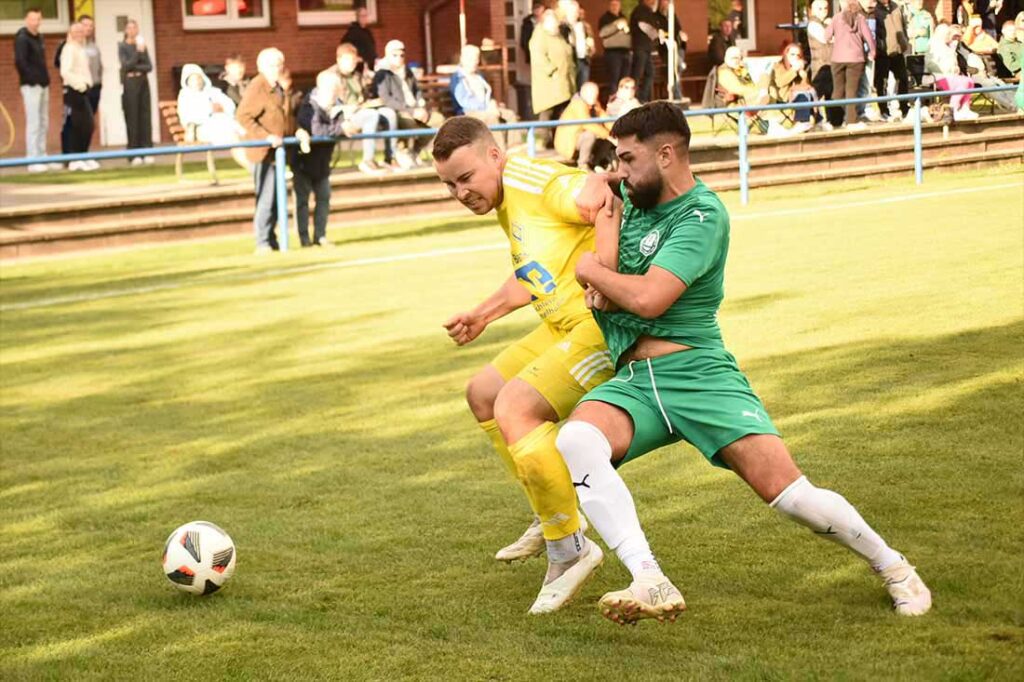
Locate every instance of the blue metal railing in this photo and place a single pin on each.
(281, 186)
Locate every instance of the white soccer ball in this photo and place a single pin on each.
(199, 558)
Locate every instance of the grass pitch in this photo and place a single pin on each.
(311, 404)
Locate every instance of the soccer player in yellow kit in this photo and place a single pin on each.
(533, 384)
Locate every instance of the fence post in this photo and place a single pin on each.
(918, 149)
(531, 142)
(281, 187)
(744, 166)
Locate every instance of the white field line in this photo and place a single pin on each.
(437, 253)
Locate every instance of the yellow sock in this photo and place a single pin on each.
(494, 433)
(542, 470)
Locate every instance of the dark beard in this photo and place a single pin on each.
(645, 195)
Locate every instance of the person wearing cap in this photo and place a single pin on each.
(397, 88)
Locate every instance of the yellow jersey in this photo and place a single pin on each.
(547, 235)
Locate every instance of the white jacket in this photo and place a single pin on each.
(74, 67)
(196, 106)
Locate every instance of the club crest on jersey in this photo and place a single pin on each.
(649, 244)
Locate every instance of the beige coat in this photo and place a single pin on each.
(552, 70)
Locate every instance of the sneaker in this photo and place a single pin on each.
(530, 543)
(55, 166)
(93, 164)
(38, 168)
(370, 168)
(560, 591)
(263, 250)
(872, 115)
(137, 161)
(965, 115)
(824, 126)
(856, 127)
(405, 160)
(910, 596)
(148, 160)
(654, 597)
(77, 166)
(324, 242)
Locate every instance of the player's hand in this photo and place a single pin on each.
(464, 327)
(596, 196)
(585, 265)
(595, 300)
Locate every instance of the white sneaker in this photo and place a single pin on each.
(530, 543)
(562, 589)
(404, 159)
(77, 166)
(857, 127)
(38, 168)
(55, 166)
(654, 597)
(370, 168)
(910, 596)
(824, 126)
(93, 164)
(965, 115)
(137, 161)
(148, 160)
(871, 114)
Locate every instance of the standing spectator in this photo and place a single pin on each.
(398, 90)
(864, 85)
(352, 86)
(721, 40)
(585, 144)
(849, 34)
(921, 25)
(1010, 53)
(579, 35)
(95, 61)
(738, 18)
(135, 99)
(624, 100)
(321, 114)
(963, 12)
(821, 61)
(891, 44)
(233, 78)
(264, 115)
(552, 71)
(643, 28)
(359, 35)
(472, 95)
(789, 81)
(530, 22)
(613, 28)
(943, 62)
(30, 61)
(74, 71)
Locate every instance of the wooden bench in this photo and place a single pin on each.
(183, 136)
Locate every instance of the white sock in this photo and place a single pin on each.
(829, 514)
(566, 549)
(604, 496)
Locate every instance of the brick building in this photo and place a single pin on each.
(307, 31)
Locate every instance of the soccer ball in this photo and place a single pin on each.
(199, 558)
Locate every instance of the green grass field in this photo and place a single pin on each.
(311, 404)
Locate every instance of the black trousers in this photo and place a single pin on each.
(643, 74)
(617, 63)
(897, 65)
(137, 112)
(80, 120)
(822, 84)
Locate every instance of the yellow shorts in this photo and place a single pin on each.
(561, 365)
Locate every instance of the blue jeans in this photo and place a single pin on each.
(265, 217)
(321, 190)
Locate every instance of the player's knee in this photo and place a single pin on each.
(481, 394)
(519, 409)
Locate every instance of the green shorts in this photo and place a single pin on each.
(698, 395)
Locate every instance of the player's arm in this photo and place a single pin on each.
(606, 237)
(464, 327)
(598, 196)
(648, 295)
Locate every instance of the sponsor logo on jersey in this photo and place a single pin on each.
(517, 232)
(649, 244)
(699, 214)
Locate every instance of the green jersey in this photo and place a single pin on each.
(689, 237)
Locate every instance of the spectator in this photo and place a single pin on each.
(643, 28)
(613, 28)
(367, 115)
(977, 67)
(821, 61)
(1010, 53)
(586, 144)
(788, 81)
(920, 26)
(552, 71)
(135, 98)
(74, 71)
(233, 78)
(864, 85)
(321, 114)
(472, 94)
(95, 61)
(206, 112)
(977, 40)
(34, 79)
(721, 40)
(891, 44)
(849, 34)
(737, 86)
(624, 100)
(264, 115)
(963, 12)
(943, 62)
(397, 87)
(579, 35)
(526, 30)
(738, 18)
(1018, 23)
(359, 35)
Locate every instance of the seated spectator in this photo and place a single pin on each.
(233, 78)
(737, 88)
(920, 25)
(788, 82)
(976, 38)
(368, 114)
(950, 72)
(1010, 52)
(587, 144)
(624, 100)
(321, 114)
(397, 87)
(472, 94)
(207, 113)
(981, 69)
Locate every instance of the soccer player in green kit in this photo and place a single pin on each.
(657, 307)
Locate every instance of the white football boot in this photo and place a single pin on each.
(910, 596)
(560, 591)
(530, 543)
(647, 597)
